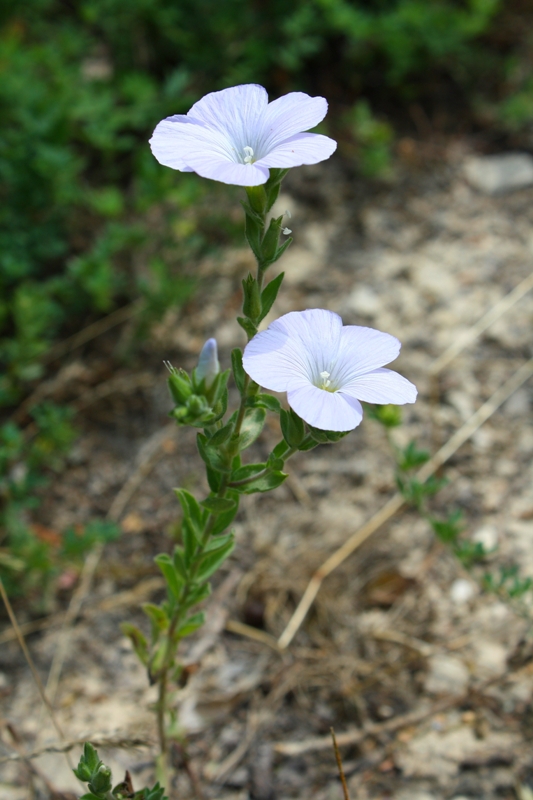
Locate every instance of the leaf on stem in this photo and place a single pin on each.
(166, 565)
(210, 562)
(239, 374)
(218, 505)
(269, 294)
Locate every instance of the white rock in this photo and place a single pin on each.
(447, 675)
(487, 535)
(500, 173)
(490, 657)
(363, 300)
(461, 591)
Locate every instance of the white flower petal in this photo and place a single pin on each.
(303, 148)
(381, 386)
(363, 350)
(293, 113)
(176, 141)
(273, 360)
(237, 111)
(228, 172)
(329, 411)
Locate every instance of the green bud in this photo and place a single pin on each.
(197, 406)
(257, 198)
(101, 780)
(252, 299)
(270, 245)
(180, 386)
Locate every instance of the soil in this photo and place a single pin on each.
(426, 678)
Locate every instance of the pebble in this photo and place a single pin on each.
(500, 173)
(447, 675)
(461, 591)
(487, 536)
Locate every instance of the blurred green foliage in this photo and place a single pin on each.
(90, 221)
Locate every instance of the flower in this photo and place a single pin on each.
(236, 135)
(208, 366)
(325, 368)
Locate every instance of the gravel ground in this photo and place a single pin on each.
(426, 678)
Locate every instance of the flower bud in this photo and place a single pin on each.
(101, 780)
(208, 366)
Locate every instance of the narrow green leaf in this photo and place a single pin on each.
(214, 479)
(248, 471)
(218, 505)
(271, 480)
(269, 294)
(190, 625)
(210, 455)
(222, 435)
(198, 594)
(239, 374)
(225, 519)
(211, 561)
(252, 427)
(191, 509)
(179, 563)
(166, 565)
(267, 401)
(218, 541)
(157, 615)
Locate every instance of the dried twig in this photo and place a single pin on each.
(338, 758)
(469, 336)
(397, 501)
(32, 667)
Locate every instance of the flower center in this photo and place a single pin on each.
(248, 155)
(326, 383)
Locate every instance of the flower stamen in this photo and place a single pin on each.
(248, 155)
(325, 382)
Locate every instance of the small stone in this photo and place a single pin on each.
(500, 173)
(447, 675)
(486, 536)
(518, 404)
(461, 591)
(364, 301)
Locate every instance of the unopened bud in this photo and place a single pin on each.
(208, 366)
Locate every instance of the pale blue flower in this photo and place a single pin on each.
(208, 366)
(236, 135)
(327, 368)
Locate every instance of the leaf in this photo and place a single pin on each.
(239, 374)
(166, 565)
(198, 594)
(190, 540)
(248, 471)
(190, 625)
(211, 561)
(292, 427)
(191, 509)
(269, 294)
(248, 327)
(218, 505)
(217, 541)
(157, 615)
(252, 427)
(222, 435)
(267, 401)
(180, 564)
(214, 479)
(210, 455)
(138, 640)
(271, 480)
(225, 519)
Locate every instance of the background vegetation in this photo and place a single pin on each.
(89, 222)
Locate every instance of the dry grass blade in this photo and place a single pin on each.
(148, 457)
(93, 331)
(396, 502)
(31, 665)
(481, 325)
(338, 758)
